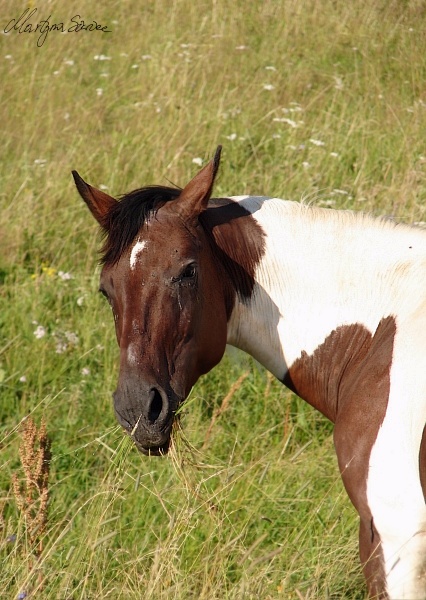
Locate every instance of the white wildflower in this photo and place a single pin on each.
(231, 137)
(317, 142)
(72, 337)
(64, 276)
(198, 161)
(101, 57)
(80, 301)
(268, 87)
(85, 371)
(288, 121)
(99, 91)
(40, 332)
(295, 107)
(61, 347)
(23, 379)
(338, 85)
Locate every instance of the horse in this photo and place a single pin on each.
(331, 302)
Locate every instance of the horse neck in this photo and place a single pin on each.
(321, 270)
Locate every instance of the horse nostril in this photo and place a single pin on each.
(155, 406)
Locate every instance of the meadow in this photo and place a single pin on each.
(320, 101)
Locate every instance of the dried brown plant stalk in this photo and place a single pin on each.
(32, 492)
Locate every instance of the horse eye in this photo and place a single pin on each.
(103, 292)
(189, 272)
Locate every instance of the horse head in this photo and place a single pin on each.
(167, 297)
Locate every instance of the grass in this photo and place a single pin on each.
(318, 100)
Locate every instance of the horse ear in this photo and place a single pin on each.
(98, 202)
(194, 197)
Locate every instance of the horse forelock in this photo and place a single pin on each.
(124, 221)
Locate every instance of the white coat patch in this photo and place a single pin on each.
(136, 250)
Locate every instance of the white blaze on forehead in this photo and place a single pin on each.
(137, 248)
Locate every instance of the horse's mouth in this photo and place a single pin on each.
(154, 450)
(153, 444)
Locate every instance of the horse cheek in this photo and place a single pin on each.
(212, 335)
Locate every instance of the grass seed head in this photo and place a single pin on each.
(32, 492)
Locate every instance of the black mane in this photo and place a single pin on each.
(124, 221)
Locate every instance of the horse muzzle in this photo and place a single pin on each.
(147, 415)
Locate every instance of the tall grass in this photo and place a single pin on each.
(317, 100)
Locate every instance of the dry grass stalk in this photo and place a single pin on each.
(32, 493)
(224, 405)
(2, 521)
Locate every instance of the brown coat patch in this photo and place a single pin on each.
(238, 244)
(347, 378)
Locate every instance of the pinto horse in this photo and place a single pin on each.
(333, 303)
